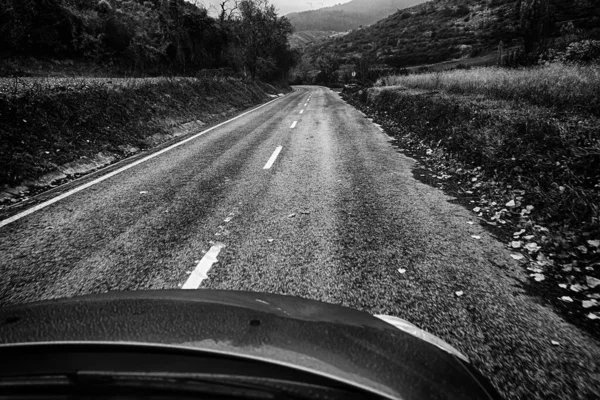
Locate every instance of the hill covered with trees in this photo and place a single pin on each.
(148, 37)
(441, 30)
(343, 17)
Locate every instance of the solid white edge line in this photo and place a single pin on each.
(118, 171)
(294, 125)
(269, 163)
(200, 272)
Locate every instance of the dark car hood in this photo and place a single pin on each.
(330, 340)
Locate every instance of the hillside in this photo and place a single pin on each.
(442, 30)
(141, 37)
(301, 40)
(343, 17)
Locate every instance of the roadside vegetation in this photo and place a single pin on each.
(564, 87)
(443, 34)
(68, 101)
(146, 37)
(59, 127)
(522, 148)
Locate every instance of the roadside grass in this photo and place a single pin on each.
(531, 171)
(554, 158)
(558, 86)
(45, 123)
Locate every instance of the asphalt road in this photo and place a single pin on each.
(334, 218)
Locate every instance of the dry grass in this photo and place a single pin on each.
(553, 156)
(46, 122)
(558, 86)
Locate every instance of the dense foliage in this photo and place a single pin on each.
(150, 36)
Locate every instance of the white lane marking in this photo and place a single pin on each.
(200, 273)
(305, 104)
(269, 163)
(301, 111)
(125, 168)
(294, 125)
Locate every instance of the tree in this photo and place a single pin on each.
(328, 65)
(535, 22)
(262, 36)
(363, 68)
(302, 70)
(228, 9)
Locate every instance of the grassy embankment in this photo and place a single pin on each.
(509, 139)
(48, 126)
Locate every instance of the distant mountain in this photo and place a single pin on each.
(441, 30)
(343, 17)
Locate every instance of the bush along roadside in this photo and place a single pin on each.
(51, 133)
(530, 174)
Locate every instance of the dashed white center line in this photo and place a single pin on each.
(269, 163)
(200, 273)
(301, 111)
(294, 125)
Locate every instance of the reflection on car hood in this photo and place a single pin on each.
(330, 340)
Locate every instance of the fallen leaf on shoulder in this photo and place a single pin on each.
(538, 277)
(591, 281)
(576, 287)
(589, 303)
(532, 247)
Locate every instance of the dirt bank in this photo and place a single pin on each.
(52, 130)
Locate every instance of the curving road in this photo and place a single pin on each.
(302, 196)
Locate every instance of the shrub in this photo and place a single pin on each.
(103, 7)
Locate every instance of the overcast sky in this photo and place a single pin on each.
(288, 6)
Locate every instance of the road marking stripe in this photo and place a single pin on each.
(269, 163)
(301, 111)
(305, 104)
(200, 273)
(118, 171)
(294, 125)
